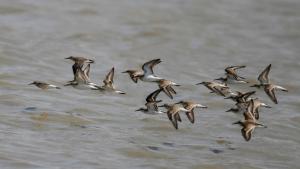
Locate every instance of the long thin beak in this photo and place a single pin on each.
(68, 57)
(228, 97)
(161, 106)
(255, 85)
(199, 83)
(238, 122)
(124, 72)
(30, 83)
(262, 125)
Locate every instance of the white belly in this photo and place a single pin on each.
(151, 78)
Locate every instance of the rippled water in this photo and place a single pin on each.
(195, 39)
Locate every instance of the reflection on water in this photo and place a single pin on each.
(195, 39)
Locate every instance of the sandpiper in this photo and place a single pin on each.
(232, 76)
(151, 104)
(215, 87)
(166, 86)
(240, 96)
(254, 105)
(270, 91)
(249, 123)
(251, 105)
(248, 127)
(263, 77)
(147, 74)
(173, 113)
(79, 62)
(190, 106)
(135, 75)
(43, 85)
(240, 107)
(148, 71)
(82, 79)
(109, 83)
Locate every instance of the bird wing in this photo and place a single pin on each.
(247, 132)
(152, 96)
(231, 71)
(174, 121)
(191, 116)
(109, 77)
(167, 92)
(263, 77)
(148, 66)
(171, 89)
(271, 93)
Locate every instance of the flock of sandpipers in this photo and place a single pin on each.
(244, 103)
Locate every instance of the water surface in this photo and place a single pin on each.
(77, 129)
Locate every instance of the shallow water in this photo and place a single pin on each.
(77, 129)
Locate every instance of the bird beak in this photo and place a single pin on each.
(124, 72)
(161, 106)
(68, 57)
(200, 83)
(238, 122)
(31, 83)
(219, 78)
(227, 97)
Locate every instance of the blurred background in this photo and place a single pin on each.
(196, 40)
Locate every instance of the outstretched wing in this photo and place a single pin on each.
(271, 93)
(263, 77)
(148, 66)
(152, 96)
(109, 79)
